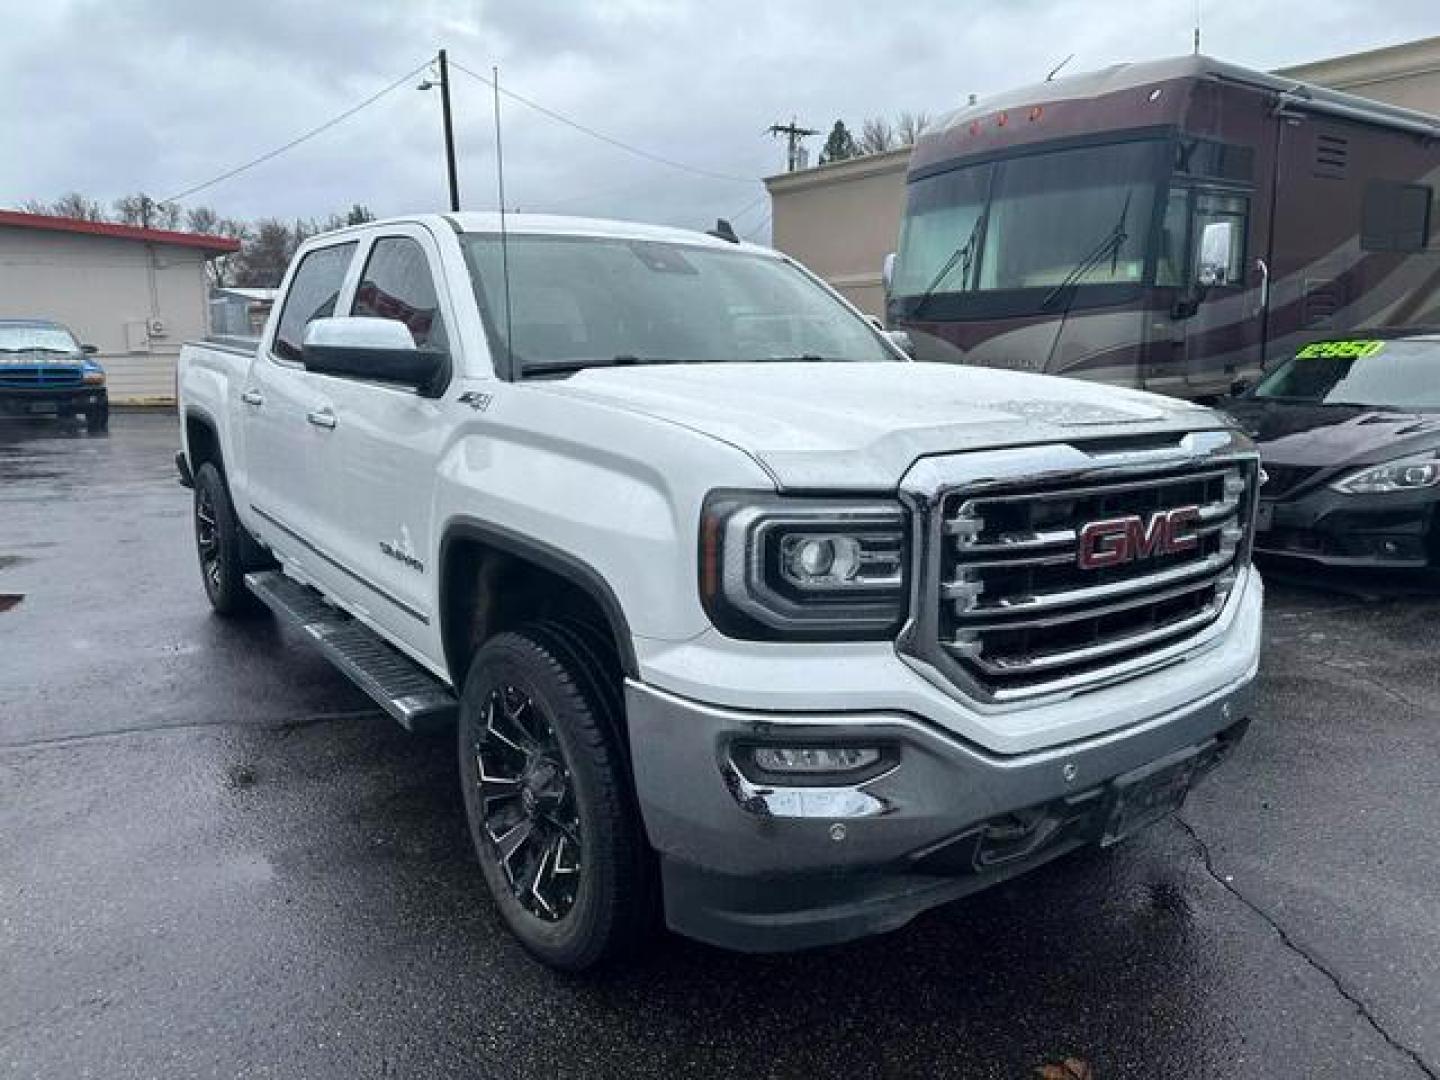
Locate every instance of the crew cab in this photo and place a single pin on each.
(741, 616)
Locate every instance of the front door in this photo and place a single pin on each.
(384, 448)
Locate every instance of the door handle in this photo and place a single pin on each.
(321, 417)
(252, 397)
(1264, 269)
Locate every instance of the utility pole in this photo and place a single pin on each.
(444, 84)
(793, 135)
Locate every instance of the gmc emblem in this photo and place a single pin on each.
(1116, 541)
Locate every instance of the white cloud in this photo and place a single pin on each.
(158, 95)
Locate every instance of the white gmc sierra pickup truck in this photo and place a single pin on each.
(739, 613)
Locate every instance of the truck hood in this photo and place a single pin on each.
(861, 426)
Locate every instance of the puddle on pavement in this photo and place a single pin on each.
(9, 599)
(7, 561)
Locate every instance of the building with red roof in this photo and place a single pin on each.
(136, 294)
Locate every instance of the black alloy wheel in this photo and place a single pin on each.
(528, 804)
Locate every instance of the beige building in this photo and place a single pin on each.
(136, 294)
(841, 220)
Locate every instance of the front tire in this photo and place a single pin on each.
(220, 544)
(97, 417)
(549, 800)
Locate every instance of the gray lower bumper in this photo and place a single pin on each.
(761, 867)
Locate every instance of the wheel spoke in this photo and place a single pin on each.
(510, 842)
(516, 740)
(543, 877)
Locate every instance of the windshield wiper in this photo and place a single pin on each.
(964, 255)
(566, 367)
(1112, 243)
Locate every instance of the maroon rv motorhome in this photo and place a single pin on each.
(1167, 225)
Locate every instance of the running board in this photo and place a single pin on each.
(400, 686)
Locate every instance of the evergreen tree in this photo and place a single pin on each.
(840, 146)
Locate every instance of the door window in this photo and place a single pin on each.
(398, 285)
(314, 288)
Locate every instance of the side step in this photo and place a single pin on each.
(400, 686)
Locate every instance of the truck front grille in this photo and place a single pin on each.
(1070, 578)
(35, 376)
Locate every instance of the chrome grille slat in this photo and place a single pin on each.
(1016, 614)
(1110, 647)
(1052, 601)
(1005, 619)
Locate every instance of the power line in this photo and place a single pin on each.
(751, 234)
(326, 126)
(748, 207)
(607, 138)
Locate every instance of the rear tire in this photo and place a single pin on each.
(220, 542)
(548, 797)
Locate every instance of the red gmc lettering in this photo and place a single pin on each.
(1116, 541)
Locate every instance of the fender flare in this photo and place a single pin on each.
(552, 559)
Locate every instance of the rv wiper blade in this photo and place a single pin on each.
(1112, 243)
(964, 255)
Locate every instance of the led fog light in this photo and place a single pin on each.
(809, 760)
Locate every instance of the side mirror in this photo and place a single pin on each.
(1217, 241)
(1240, 385)
(89, 350)
(887, 272)
(361, 347)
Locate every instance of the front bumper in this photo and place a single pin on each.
(759, 868)
(50, 400)
(1393, 530)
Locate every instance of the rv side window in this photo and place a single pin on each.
(1187, 212)
(1395, 217)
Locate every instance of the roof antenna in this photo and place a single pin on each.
(1197, 27)
(1056, 69)
(724, 231)
(504, 240)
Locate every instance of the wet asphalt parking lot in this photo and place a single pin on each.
(218, 859)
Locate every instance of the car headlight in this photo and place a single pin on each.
(92, 374)
(1404, 474)
(802, 568)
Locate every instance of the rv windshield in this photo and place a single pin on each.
(1037, 219)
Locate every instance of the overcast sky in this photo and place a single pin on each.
(113, 96)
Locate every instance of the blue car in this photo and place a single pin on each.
(46, 372)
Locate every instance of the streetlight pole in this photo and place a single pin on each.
(444, 84)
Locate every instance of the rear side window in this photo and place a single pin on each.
(1395, 217)
(313, 292)
(398, 285)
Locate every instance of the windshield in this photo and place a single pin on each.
(1039, 217)
(582, 301)
(37, 339)
(1401, 375)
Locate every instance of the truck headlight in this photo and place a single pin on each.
(803, 568)
(1403, 474)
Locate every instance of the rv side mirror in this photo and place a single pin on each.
(1217, 241)
(366, 348)
(887, 272)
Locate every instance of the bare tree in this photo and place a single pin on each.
(263, 260)
(202, 219)
(72, 205)
(909, 126)
(142, 210)
(876, 136)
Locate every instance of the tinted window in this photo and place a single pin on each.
(313, 292)
(1395, 217)
(398, 285)
(1397, 374)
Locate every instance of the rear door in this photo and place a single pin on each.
(381, 455)
(283, 417)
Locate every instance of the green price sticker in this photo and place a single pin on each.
(1339, 350)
